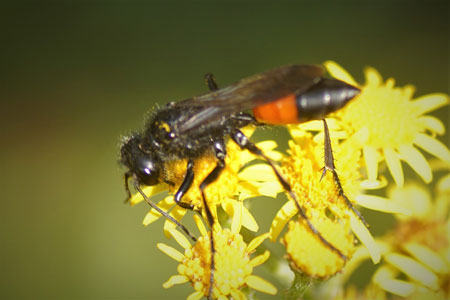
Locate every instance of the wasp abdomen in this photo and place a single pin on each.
(326, 96)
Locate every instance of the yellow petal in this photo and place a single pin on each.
(371, 160)
(259, 284)
(390, 82)
(432, 146)
(428, 257)
(363, 234)
(443, 184)
(248, 221)
(413, 197)
(338, 72)
(180, 238)
(201, 227)
(149, 191)
(374, 184)
(257, 241)
(197, 295)
(236, 221)
(267, 145)
(171, 252)
(417, 161)
(334, 135)
(394, 165)
(286, 212)
(397, 287)
(381, 204)
(429, 102)
(260, 259)
(247, 189)
(413, 269)
(258, 172)
(238, 295)
(432, 123)
(271, 188)
(175, 279)
(373, 77)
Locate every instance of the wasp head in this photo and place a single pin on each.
(142, 165)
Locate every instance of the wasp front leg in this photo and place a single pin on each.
(184, 187)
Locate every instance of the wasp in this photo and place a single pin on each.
(190, 128)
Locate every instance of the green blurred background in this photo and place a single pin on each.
(75, 76)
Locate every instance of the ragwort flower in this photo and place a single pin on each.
(233, 263)
(234, 185)
(419, 245)
(392, 124)
(326, 211)
(415, 253)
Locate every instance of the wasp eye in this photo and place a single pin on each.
(147, 171)
(142, 165)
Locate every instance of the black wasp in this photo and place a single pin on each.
(190, 128)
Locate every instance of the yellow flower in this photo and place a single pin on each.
(233, 263)
(392, 124)
(234, 185)
(419, 244)
(416, 251)
(371, 292)
(318, 197)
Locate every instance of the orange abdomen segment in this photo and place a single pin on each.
(280, 111)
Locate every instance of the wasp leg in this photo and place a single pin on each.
(127, 188)
(220, 153)
(211, 82)
(164, 213)
(329, 166)
(245, 143)
(184, 187)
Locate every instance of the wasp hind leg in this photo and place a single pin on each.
(329, 166)
(243, 142)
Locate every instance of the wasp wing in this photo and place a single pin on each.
(250, 92)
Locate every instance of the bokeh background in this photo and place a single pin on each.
(75, 76)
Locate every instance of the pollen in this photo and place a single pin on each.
(231, 264)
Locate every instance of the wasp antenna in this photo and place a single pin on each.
(164, 213)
